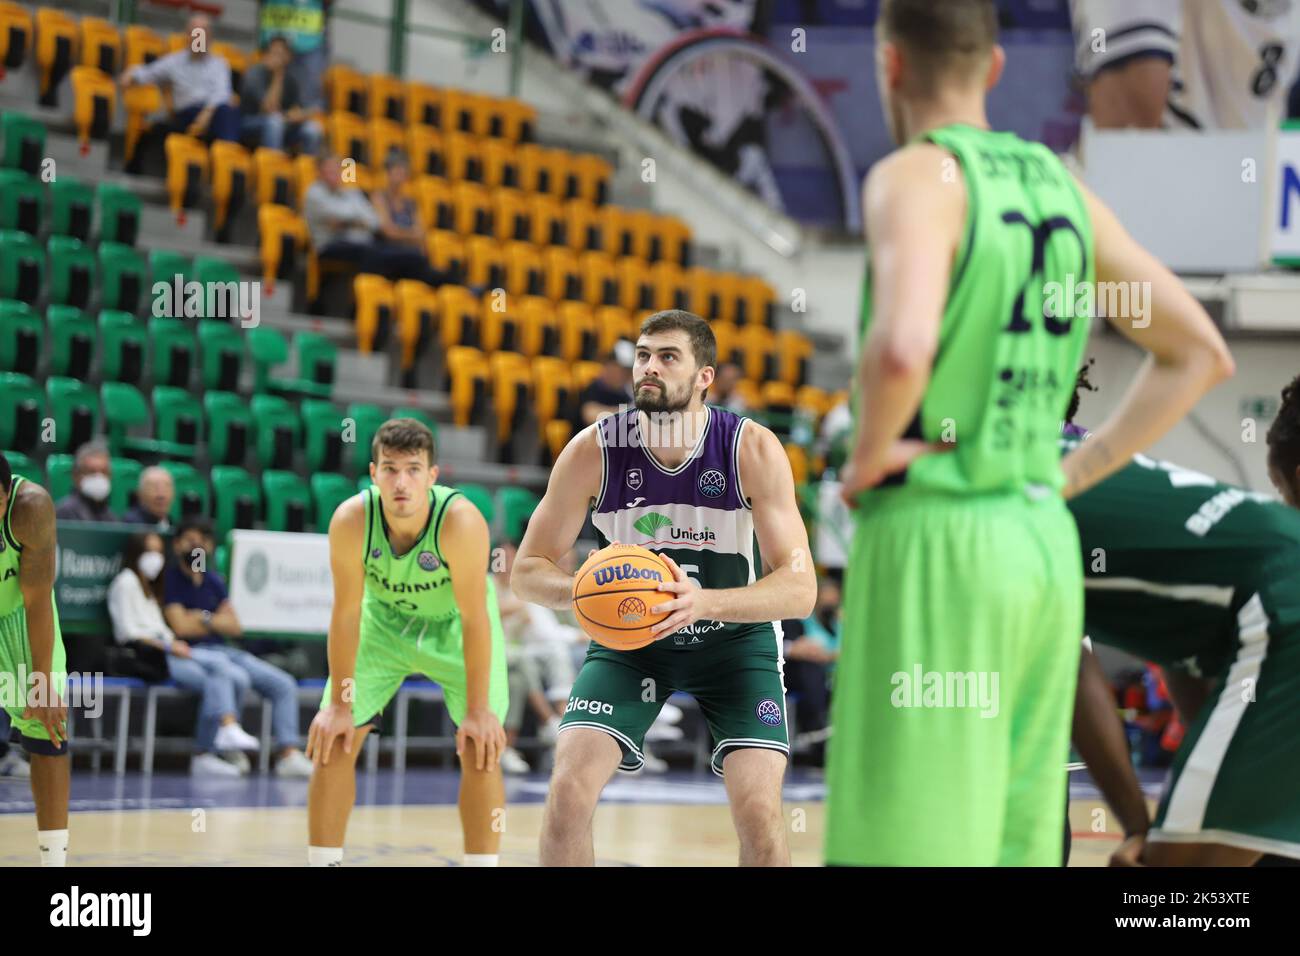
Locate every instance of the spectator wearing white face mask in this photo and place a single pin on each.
(136, 611)
(92, 480)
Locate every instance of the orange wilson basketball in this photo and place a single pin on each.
(615, 595)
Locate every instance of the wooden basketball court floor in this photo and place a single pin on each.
(410, 819)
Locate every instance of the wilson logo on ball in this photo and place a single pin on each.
(625, 572)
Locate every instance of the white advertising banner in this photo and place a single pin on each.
(1286, 222)
(280, 581)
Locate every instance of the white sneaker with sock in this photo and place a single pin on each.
(14, 767)
(513, 762)
(235, 737)
(294, 765)
(210, 765)
(239, 759)
(549, 731)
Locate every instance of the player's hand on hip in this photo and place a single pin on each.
(328, 725)
(481, 728)
(683, 610)
(857, 475)
(1129, 852)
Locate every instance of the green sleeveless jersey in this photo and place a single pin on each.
(1015, 324)
(415, 585)
(1180, 568)
(11, 594)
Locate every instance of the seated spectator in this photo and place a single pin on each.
(200, 84)
(154, 494)
(723, 392)
(92, 480)
(343, 224)
(136, 611)
(610, 391)
(399, 215)
(811, 649)
(303, 23)
(271, 105)
(197, 608)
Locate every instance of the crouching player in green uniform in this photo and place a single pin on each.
(411, 595)
(1204, 579)
(33, 669)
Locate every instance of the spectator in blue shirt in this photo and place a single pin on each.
(198, 610)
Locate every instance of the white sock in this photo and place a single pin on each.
(480, 859)
(54, 847)
(324, 856)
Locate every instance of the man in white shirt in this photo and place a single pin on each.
(200, 84)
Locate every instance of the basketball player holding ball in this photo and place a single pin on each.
(696, 485)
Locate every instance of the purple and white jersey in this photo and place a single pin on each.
(695, 513)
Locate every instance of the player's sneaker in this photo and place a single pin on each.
(235, 737)
(549, 731)
(652, 763)
(513, 762)
(294, 764)
(14, 767)
(210, 765)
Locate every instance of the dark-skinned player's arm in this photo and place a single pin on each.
(915, 210)
(32, 520)
(1098, 735)
(1186, 355)
(789, 589)
(575, 481)
(465, 545)
(347, 542)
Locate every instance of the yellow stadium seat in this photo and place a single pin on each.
(94, 97)
(813, 401)
(387, 95)
(187, 170)
(376, 307)
(563, 277)
(612, 323)
(464, 157)
(143, 46)
(178, 41)
(424, 149)
(582, 226)
(583, 374)
(501, 328)
(519, 119)
(705, 300)
(796, 352)
(345, 90)
(617, 230)
(588, 178)
(599, 279)
(635, 289)
(56, 46)
(558, 432)
(552, 390)
(553, 176)
(473, 209)
(458, 108)
(539, 328)
(423, 105)
(232, 179)
(671, 241)
(547, 217)
(671, 288)
(446, 252)
(500, 165)
(283, 238)
(101, 45)
(458, 317)
(417, 315)
(15, 36)
(273, 175)
(754, 303)
(578, 338)
(750, 394)
(524, 272)
(757, 348)
(437, 205)
(486, 263)
(140, 102)
(725, 334)
(386, 137)
(348, 137)
(512, 381)
(727, 287)
(799, 467)
(511, 215)
(467, 375)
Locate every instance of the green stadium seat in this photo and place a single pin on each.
(123, 341)
(517, 506)
(24, 466)
(172, 344)
(58, 475)
(223, 560)
(482, 499)
(164, 267)
(72, 208)
(323, 435)
(22, 334)
(22, 409)
(327, 493)
(126, 476)
(71, 275)
(230, 427)
(119, 214)
(288, 501)
(192, 494)
(364, 483)
(21, 199)
(267, 348)
(366, 420)
(75, 409)
(24, 142)
(210, 271)
(22, 266)
(237, 499)
(317, 357)
(221, 349)
(125, 408)
(122, 277)
(278, 431)
(178, 418)
(72, 341)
